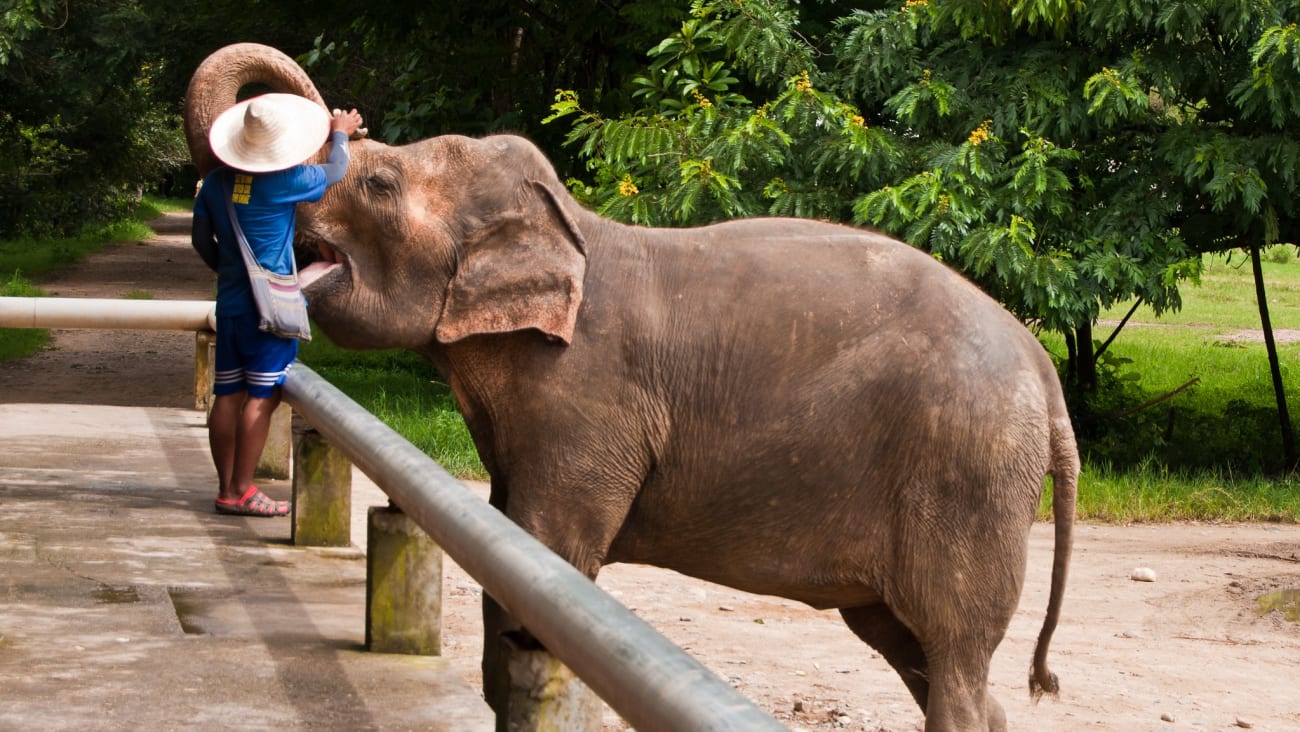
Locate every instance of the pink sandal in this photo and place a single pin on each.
(253, 503)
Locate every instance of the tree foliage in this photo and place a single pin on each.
(1065, 155)
(80, 132)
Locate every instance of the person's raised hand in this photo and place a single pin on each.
(348, 122)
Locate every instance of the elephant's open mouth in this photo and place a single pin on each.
(317, 260)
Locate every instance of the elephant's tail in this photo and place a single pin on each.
(1065, 480)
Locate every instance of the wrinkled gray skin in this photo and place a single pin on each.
(781, 406)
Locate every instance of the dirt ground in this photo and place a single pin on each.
(1191, 650)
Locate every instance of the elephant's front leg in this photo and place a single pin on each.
(523, 682)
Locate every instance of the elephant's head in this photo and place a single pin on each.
(430, 242)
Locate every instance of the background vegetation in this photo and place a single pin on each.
(1075, 159)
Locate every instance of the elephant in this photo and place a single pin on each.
(787, 407)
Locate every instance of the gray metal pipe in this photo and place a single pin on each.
(75, 312)
(647, 679)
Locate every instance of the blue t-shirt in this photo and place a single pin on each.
(265, 204)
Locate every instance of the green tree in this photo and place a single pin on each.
(1067, 156)
(80, 133)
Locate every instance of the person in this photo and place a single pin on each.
(264, 143)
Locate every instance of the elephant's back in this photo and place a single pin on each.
(801, 293)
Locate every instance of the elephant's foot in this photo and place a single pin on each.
(521, 640)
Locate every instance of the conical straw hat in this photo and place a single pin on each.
(269, 132)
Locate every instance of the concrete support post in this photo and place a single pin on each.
(322, 493)
(546, 695)
(204, 369)
(274, 462)
(403, 585)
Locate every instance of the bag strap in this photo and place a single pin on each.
(250, 260)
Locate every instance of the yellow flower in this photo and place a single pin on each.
(980, 134)
(804, 84)
(857, 121)
(626, 187)
(700, 99)
(914, 3)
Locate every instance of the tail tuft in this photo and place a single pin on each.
(1048, 685)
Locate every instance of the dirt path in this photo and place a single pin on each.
(1187, 651)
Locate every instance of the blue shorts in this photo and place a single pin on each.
(248, 359)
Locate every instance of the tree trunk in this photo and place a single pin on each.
(1085, 368)
(1279, 390)
(1071, 357)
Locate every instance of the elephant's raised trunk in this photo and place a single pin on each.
(215, 86)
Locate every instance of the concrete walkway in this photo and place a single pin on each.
(126, 603)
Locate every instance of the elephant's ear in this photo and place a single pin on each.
(522, 270)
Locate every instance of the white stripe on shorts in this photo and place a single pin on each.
(265, 379)
(232, 376)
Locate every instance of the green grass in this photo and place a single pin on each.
(1225, 298)
(405, 393)
(138, 295)
(1152, 493)
(153, 205)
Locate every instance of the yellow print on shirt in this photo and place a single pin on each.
(243, 188)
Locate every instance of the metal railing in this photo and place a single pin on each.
(72, 312)
(642, 675)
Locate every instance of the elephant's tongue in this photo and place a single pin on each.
(315, 271)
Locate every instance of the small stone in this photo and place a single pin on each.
(1143, 574)
(1130, 634)
(844, 720)
(798, 706)
(1243, 723)
(727, 608)
(1166, 717)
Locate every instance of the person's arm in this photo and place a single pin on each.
(336, 165)
(203, 241)
(342, 124)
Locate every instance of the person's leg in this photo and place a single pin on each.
(229, 390)
(254, 424)
(223, 426)
(266, 360)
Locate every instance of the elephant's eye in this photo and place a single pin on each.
(380, 184)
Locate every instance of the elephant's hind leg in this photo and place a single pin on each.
(943, 702)
(959, 693)
(879, 628)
